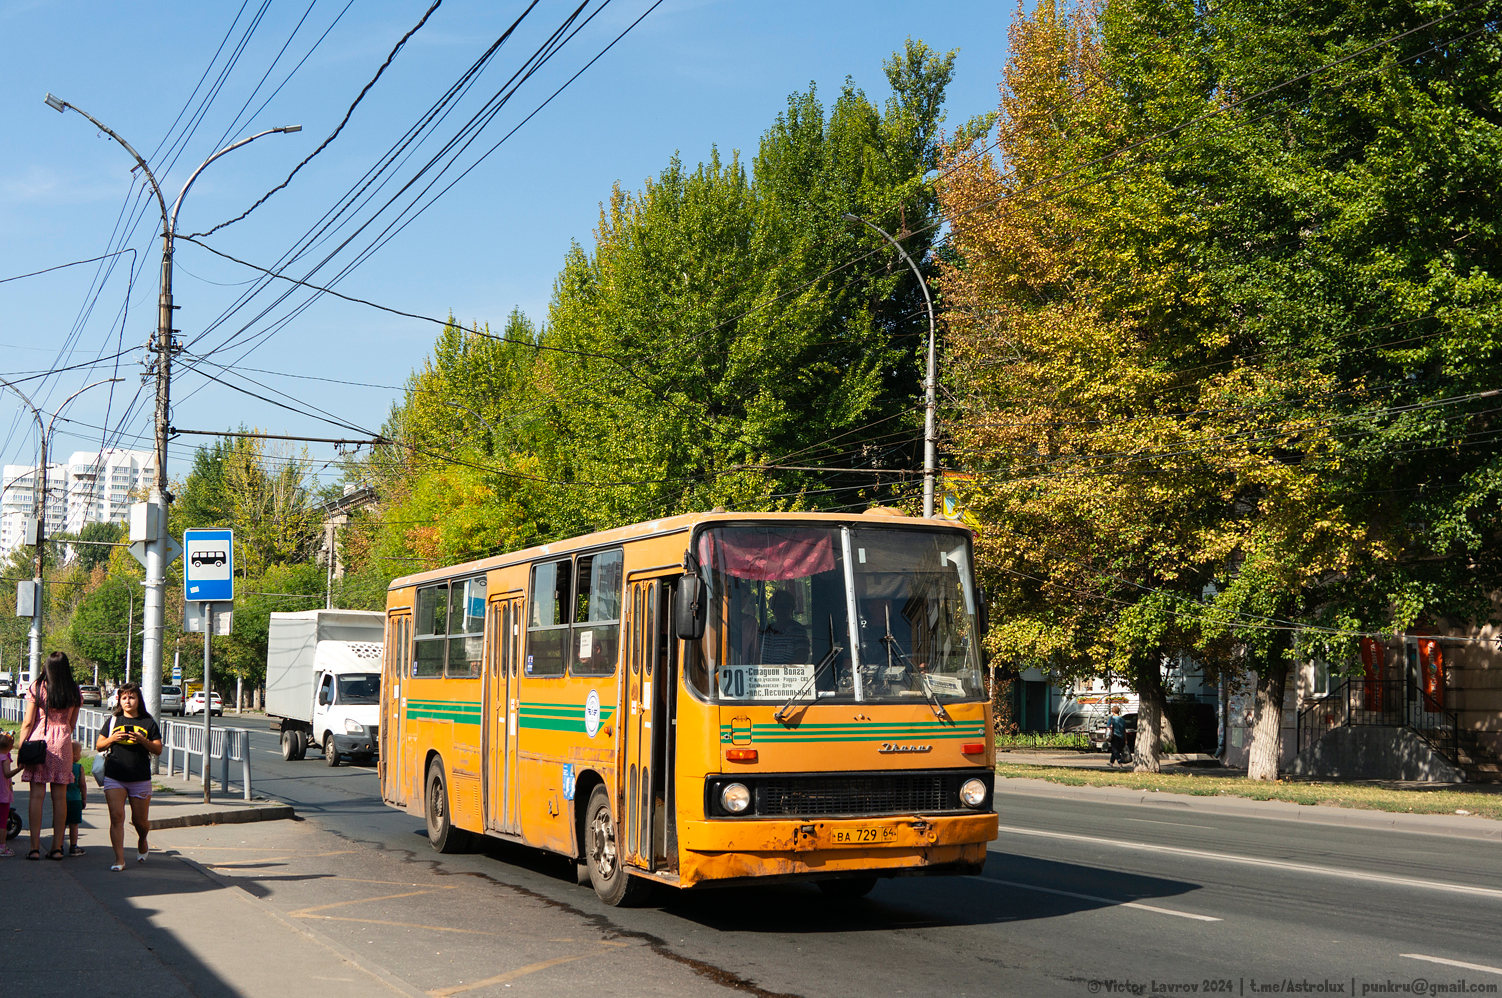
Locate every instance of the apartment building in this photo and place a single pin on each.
(90, 487)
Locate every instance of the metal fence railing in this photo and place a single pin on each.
(184, 740)
(181, 741)
(1392, 702)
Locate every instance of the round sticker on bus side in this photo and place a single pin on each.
(592, 713)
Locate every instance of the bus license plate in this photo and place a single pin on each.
(865, 835)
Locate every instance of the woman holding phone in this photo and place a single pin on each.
(132, 738)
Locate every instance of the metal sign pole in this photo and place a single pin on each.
(208, 697)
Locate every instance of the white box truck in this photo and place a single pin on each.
(323, 682)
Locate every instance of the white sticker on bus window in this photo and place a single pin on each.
(951, 686)
(592, 714)
(586, 645)
(860, 554)
(765, 682)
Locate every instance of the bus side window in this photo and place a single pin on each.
(548, 626)
(431, 629)
(597, 627)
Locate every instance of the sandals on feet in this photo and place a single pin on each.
(56, 854)
(116, 867)
(34, 854)
(76, 851)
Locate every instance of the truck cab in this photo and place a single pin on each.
(346, 712)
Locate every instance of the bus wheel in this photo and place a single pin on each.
(330, 754)
(612, 883)
(847, 888)
(443, 835)
(289, 745)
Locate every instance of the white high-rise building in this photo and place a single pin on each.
(90, 487)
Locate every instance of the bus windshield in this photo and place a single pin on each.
(854, 613)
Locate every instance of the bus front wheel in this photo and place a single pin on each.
(615, 886)
(443, 836)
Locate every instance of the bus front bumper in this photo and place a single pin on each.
(727, 849)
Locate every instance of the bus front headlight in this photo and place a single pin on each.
(973, 793)
(735, 798)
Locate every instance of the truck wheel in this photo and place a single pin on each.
(330, 756)
(289, 745)
(615, 886)
(443, 836)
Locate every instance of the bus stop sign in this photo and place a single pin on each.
(208, 565)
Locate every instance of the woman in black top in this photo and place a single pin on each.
(131, 737)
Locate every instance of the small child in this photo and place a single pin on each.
(78, 796)
(7, 742)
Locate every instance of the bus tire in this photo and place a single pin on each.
(443, 836)
(847, 888)
(330, 754)
(607, 871)
(289, 745)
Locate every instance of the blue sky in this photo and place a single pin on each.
(691, 75)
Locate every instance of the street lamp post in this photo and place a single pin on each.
(156, 541)
(39, 510)
(930, 433)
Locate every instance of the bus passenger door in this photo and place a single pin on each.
(493, 714)
(502, 631)
(511, 625)
(646, 731)
(390, 757)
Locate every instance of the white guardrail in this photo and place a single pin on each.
(180, 740)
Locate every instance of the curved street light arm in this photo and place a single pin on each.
(930, 434)
(172, 218)
(59, 105)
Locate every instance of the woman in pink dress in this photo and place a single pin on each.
(51, 711)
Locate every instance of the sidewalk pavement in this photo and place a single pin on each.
(168, 924)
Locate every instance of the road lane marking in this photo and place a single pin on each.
(1113, 902)
(1169, 821)
(1275, 864)
(512, 975)
(1453, 963)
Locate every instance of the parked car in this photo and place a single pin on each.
(89, 695)
(195, 704)
(172, 700)
(1100, 737)
(7, 688)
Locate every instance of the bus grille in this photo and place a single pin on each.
(831, 796)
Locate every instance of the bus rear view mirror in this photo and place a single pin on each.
(688, 608)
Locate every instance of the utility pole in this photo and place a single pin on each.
(154, 525)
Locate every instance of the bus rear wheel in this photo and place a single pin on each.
(615, 886)
(443, 836)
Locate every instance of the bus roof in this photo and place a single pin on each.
(669, 525)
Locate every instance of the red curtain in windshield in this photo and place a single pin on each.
(768, 555)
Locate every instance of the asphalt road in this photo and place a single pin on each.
(1083, 894)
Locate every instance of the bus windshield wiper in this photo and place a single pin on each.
(834, 650)
(893, 648)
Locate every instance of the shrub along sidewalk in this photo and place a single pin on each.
(1483, 800)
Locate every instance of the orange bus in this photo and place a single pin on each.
(708, 699)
